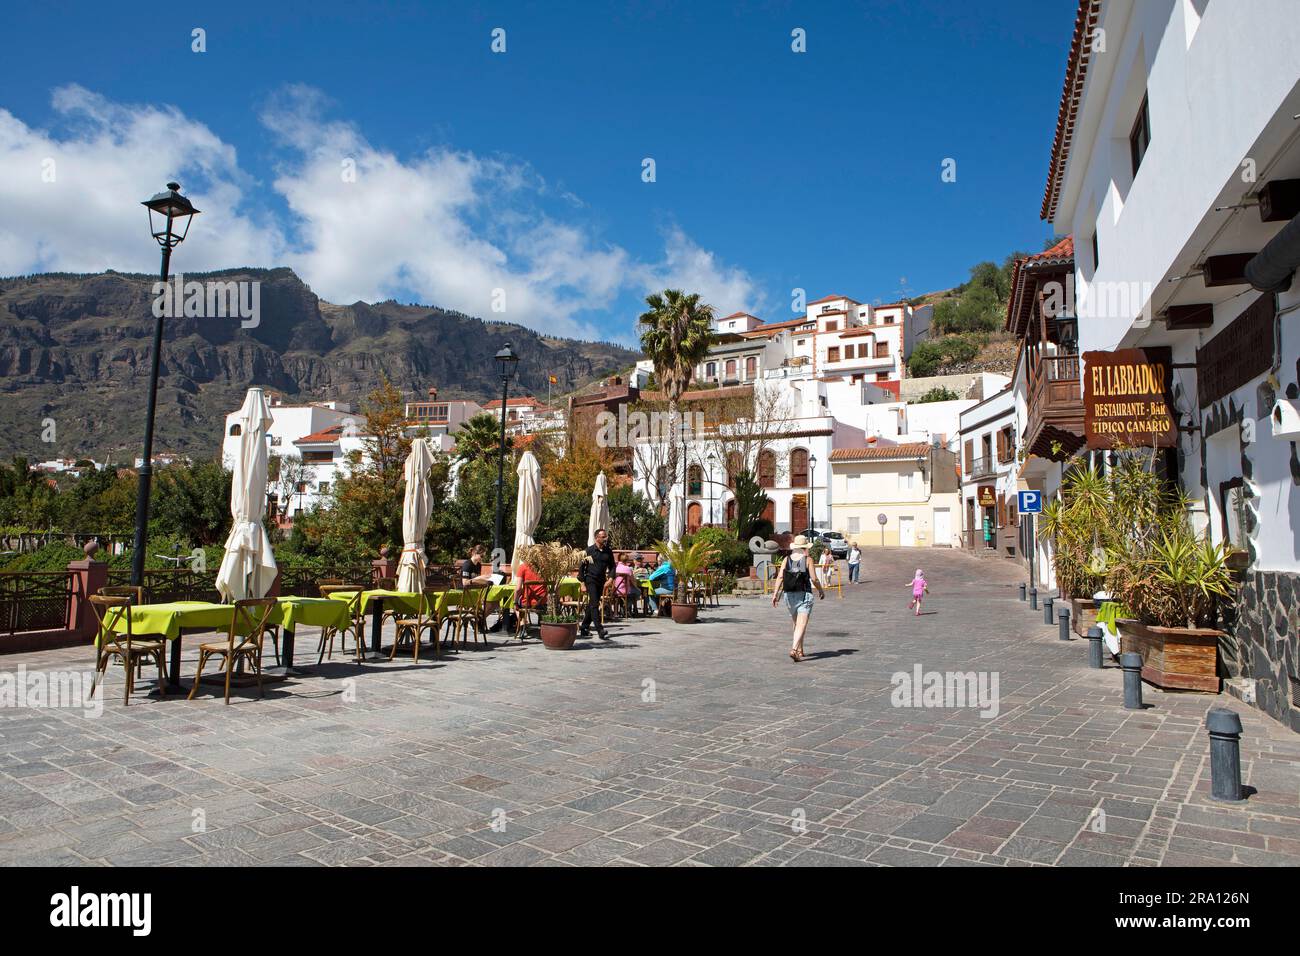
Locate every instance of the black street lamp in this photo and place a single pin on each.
(507, 361)
(713, 464)
(812, 491)
(169, 221)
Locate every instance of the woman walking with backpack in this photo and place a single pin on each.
(795, 580)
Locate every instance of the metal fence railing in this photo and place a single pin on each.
(35, 600)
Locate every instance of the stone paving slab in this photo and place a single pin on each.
(670, 746)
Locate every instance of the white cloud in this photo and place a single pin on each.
(109, 159)
(444, 226)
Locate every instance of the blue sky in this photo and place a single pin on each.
(522, 171)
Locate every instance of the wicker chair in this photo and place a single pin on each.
(113, 610)
(243, 644)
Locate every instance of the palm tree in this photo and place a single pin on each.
(676, 333)
(479, 437)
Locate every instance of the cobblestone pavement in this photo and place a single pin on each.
(696, 745)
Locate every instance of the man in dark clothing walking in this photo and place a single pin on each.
(596, 567)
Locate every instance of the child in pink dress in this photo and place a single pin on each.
(919, 589)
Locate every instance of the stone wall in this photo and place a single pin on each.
(1264, 644)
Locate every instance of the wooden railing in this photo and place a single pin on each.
(35, 600)
(1054, 380)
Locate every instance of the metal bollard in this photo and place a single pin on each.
(1022, 591)
(1033, 599)
(1225, 755)
(1131, 661)
(1094, 647)
(1063, 620)
(1047, 610)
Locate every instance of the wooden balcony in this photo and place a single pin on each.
(1055, 426)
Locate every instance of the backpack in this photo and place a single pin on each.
(795, 577)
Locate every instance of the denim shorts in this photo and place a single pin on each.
(798, 602)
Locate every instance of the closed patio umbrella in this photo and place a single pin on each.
(599, 508)
(416, 506)
(528, 509)
(676, 518)
(248, 567)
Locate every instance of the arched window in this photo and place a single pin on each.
(799, 468)
(236, 429)
(694, 480)
(767, 469)
(731, 368)
(731, 510)
(711, 370)
(735, 464)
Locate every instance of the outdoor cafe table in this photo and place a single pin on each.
(289, 612)
(168, 620)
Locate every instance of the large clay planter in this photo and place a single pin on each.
(1083, 615)
(559, 637)
(1176, 658)
(685, 613)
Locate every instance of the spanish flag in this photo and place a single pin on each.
(554, 380)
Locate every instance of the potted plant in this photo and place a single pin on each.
(1173, 588)
(551, 562)
(687, 560)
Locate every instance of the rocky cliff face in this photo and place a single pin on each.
(76, 350)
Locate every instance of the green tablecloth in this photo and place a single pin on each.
(408, 601)
(292, 612)
(166, 620)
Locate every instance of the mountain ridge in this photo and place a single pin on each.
(75, 348)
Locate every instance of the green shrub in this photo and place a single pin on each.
(938, 394)
(733, 555)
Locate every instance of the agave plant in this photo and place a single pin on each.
(551, 562)
(688, 560)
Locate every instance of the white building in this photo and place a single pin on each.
(312, 464)
(988, 474)
(896, 495)
(793, 466)
(1176, 167)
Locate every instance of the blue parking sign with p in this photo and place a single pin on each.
(1031, 502)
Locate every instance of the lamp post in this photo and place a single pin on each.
(812, 485)
(507, 361)
(169, 222)
(713, 464)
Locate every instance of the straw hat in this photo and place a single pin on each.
(799, 542)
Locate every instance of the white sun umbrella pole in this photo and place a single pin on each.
(528, 509)
(248, 566)
(599, 517)
(416, 505)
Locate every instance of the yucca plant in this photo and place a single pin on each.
(688, 560)
(551, 562)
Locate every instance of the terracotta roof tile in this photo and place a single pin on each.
(882, 452)
(1076, 71)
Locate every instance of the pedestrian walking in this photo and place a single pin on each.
(919, 589)
(855, 562)
(824, 565)
(795, 580)
(597, 565)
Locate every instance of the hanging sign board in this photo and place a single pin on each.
(1126, 399)
(987, 496)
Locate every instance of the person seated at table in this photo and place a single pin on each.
(640, 567)
(532, 591)
(664, 579)
(623, 581)
(471, 569)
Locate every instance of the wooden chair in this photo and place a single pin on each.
(576, 605)
(355, 627)
(462, 614)
(242, 644)
(114, 609)
(409, 629)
